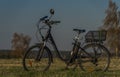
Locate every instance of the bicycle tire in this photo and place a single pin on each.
(92, 61)
(30, 61)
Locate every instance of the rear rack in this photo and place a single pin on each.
(95, 36)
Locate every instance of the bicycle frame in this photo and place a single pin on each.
(49, 37)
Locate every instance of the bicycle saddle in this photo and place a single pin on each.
(79, 30)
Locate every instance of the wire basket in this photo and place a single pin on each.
(95, 36)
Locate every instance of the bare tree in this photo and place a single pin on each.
(20, 43)
(111, 24)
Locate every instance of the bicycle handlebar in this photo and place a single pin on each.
(43, 18)
(53, 22)
(46, 20)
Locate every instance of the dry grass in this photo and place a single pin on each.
(13, 68)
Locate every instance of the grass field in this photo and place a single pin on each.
(13, 68)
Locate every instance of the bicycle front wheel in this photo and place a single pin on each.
(34, 60)
(94, 57)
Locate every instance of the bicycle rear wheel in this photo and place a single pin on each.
(94, 57)
(34, 60)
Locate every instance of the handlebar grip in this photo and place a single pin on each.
(54, 22)
(43, 18)
(57, 21)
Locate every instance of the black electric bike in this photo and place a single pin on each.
(92, 56)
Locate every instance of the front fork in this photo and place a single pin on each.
(42, 46)
(40, 52)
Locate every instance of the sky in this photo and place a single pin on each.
(21, 16)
